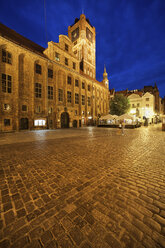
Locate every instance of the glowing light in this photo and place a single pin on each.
(39, 123)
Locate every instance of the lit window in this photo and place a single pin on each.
(6, 57)
(50, 110)
(6, 106)
(57, 56)
(39, 123)
(38, 109)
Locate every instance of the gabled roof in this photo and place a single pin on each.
(20, 40)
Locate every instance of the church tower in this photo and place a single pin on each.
(82, 35)
(105, 78)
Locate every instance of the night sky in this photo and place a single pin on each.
(130, 34)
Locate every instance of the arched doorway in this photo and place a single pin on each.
(24, 123)
(64, 120)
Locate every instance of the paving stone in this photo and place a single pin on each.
(76, 235)
(22, 242)
(46, 237)
(21, 212)
(5, 243)
(152, 224)
(9, 217)
(113, 242)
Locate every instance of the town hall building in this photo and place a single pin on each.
(54, 87)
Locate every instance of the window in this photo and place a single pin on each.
(138, 104)
(133, 105)
(83, 85)
(69, 80)
(75, 43)
(6, 122)
(6, 83)
(50, 73)
(66, 61)
(74, 65)
(24, 107)
(76, 82)
(38, 90)
(50, 110)
(38, 69)
(50, 92)
(75, 112)
(89, 88)
(83, 100)
(147, 105)
(6, 57)
(38, 109)
(6, 106)
(147, 99)
(75, 52)
(76, 98)
(69, 99)
(89, 101)
(66, 47)
(60, 95)
(39, 123)
(57, 56)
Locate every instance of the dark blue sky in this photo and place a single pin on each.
(130, 34)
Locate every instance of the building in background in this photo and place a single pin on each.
(53, 87)
(145, 104)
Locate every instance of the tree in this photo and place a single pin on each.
(119, 105)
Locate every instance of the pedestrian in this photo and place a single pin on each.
(122, 128)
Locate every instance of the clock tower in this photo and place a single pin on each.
(82, 35)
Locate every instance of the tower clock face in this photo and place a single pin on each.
(89, 35)
(75, 34)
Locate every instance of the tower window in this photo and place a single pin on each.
(6, 122)
(69, 80)
(76, 82)
(83, 85)
(60, 95)
(66, 61)
(66, 47)
(74, 65)
(57, 56)
(89, 101)
(24, 107)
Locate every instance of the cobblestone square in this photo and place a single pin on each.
(83, 188)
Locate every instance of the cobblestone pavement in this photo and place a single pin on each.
(82, 188)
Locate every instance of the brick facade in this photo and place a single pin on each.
(38, 86)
